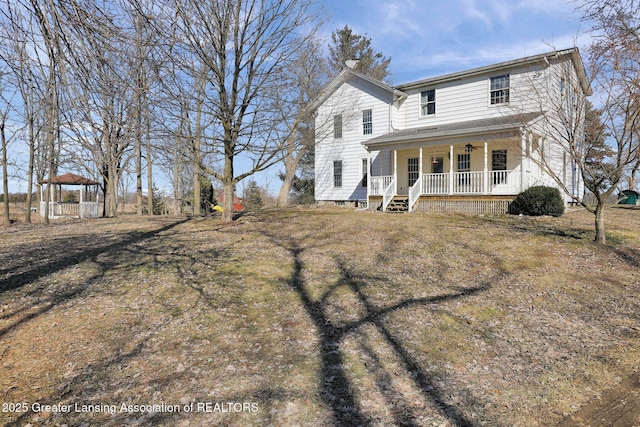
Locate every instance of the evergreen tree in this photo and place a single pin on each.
(252, 197)
(347, 45)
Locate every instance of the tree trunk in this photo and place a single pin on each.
(290, 166)
(32, 145)
(196, 191)
(5, 175)
(632, 177)
(599, 223)
(285, 188)
(149, 169)
(139, 172)
(227, 183)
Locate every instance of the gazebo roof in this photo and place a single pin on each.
(71, 179)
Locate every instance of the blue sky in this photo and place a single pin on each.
(430, 38)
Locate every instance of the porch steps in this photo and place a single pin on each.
(398, 205)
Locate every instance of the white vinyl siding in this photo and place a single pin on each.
(361, 96)
(469, 99)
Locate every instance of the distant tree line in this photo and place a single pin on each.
(16, 197)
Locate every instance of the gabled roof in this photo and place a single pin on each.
(574, 53)
(344, 76)
(71, 179)
(452, 130)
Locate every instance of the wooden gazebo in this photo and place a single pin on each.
(83, 206)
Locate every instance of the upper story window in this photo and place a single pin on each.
(337, 126)
(367, 122)
(499, 89)
(428, 102)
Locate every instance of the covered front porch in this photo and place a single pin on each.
(470, 164)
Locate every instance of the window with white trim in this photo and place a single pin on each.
(413, 168)
(337, 173)
(337, 126)
(499, 166)
(464, 165)
(428, 102)
(365, 172)
(367, 122)
(499, 92)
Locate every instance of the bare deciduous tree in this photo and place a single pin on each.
(615, 66)
(306, 74)
(244, 44)
(3, 164)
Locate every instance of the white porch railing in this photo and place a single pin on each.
(468, 183)
(379, 184)
(414, 193)
(72, 209)
(505, 182)
(388, 194)
(435, 183)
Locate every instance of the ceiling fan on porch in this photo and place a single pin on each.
(469, 148)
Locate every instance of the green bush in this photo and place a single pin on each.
(538, 200)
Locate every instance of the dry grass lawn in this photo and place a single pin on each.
(316, 317)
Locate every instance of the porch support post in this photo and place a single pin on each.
(395, 171)
(523, 137)
(486, 167)
(368, 177)
(450, 168)
(420, 164)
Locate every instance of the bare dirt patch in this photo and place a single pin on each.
(316, 317)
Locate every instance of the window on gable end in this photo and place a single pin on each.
(499, 92)
(337, 126)
(428, 102)
(367, 122)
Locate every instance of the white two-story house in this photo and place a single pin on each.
(463, 142)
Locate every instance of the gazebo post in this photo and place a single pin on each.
(81, 200)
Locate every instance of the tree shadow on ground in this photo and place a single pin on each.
(629, 255)
(71, 252)
(69, 258)
(336, 389)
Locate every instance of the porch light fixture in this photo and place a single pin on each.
(434, 160)
(468, 148)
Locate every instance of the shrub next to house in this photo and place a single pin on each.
(538, 200)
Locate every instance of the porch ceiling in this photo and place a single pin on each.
(464, 131)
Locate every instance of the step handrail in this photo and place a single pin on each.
(388, 194)
(414, 193)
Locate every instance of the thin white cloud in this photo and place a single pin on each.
(431, 38)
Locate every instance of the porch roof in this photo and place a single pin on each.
(452, 132)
